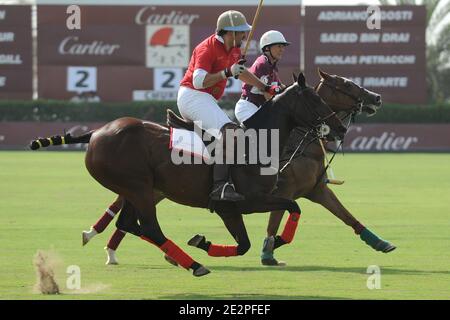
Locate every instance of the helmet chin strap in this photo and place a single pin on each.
(271, 55)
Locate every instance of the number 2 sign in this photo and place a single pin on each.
(167, 79)
(81, 79)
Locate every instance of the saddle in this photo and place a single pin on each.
(185, 136)
(175, 121)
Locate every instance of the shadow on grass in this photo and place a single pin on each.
(187, 296)
(387, 270)
(384, 270)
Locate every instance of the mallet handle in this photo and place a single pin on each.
(250, 36)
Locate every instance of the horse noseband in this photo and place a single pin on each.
(324, 130)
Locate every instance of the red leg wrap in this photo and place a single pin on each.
(290, 227)
(115, 239)
(216, 250)
(177, 254)
(107, 217)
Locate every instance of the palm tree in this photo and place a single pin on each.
(438, 45)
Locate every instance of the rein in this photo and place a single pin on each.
(351, 118)
(349, 115)
(314, 112)
(318, 129)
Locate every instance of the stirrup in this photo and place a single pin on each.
(224, 195)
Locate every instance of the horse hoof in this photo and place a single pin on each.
(200, 271)
(389, 248)
(84, 238)
(111, 257)
(385, 247)
(196, 240)
(170, 260)
(273, 263)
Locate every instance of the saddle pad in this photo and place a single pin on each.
(188, 141)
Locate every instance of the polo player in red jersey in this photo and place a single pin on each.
(213, 61)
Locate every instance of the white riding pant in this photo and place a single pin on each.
(200, 106)
(244, 109)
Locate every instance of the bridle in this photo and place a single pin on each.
(320, 119)
(318, 129)
(348, 115)
(356, 107)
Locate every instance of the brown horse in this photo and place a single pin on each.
(297, 180)
(148, 173)
(305, 176)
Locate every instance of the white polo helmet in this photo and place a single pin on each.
(270, 38)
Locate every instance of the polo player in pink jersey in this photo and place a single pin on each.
(272, 45)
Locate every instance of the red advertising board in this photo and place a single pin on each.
(141, 52)
(15, 52)
(389, 137)
(388, 59)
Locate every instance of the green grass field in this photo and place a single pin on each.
(48, 198)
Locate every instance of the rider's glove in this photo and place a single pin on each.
(273, 90)
(235, 70)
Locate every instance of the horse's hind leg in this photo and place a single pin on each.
(235, 225)
(104, 221)
(118, 235)
(150, 230)
(326, 197)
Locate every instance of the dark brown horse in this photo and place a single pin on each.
(305, 175)
(131, 158)
(299, 177)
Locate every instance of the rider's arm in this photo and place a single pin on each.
(202, 76)
(253, 80)
(203, 79)
(250, 79)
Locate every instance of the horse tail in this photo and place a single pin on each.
(60, 140)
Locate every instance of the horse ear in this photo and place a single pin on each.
(323, 74)
(294, 77)
(301, 80)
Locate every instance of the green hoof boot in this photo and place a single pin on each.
(375, 242)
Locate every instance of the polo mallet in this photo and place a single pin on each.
(250, 35)
(333, 179)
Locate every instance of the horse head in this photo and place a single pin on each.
(308, 109)
(343, 95)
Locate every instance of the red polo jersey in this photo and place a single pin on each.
(211, 56)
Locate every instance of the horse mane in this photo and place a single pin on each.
(264, 117)
(261, 119)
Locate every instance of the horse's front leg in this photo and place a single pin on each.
(326, 197)
(279, 205)
(235, 225)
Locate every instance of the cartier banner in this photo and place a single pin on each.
(141, 52)
(15, 52)
(388, 58)
(360, 138)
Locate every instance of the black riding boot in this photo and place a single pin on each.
(223, 188)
